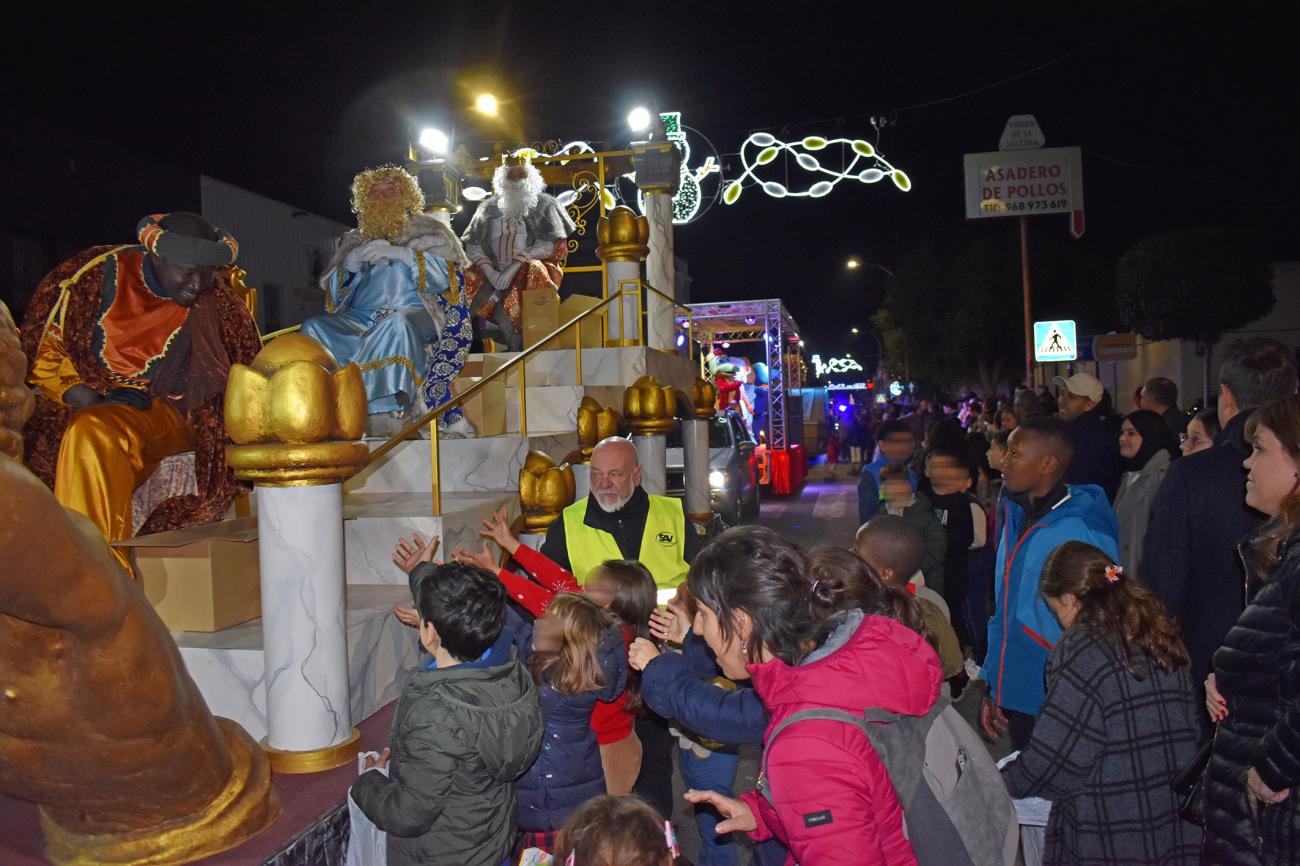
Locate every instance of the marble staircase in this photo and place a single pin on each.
(393, 498)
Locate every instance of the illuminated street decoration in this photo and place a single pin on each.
(896, 388)
(690, 192)
(861, 161)
(834, 365)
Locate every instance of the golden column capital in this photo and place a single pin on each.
(545, 490)
(649, 406)
(622, 236)
(295, 416)
(595, 424)
(703, 399)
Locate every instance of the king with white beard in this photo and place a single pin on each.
(516, 242)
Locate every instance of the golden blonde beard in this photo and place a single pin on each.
(385, 217)
(382, 218)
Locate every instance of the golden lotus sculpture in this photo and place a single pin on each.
(649, 406)
(595, 424)
(545, 490)
(703, 399)
(104, 728)
(295, 415)
(622, 236)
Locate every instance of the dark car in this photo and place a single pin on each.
(733, 478)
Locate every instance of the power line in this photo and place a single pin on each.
(1192, 177)
(840, 118)
(1040, 67)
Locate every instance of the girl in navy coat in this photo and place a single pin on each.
(578, 658)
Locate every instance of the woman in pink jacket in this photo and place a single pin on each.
(832, 801)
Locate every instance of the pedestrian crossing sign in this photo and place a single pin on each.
(1055, 341)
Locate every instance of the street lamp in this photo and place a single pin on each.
(435, 141)
(486, 104)
(854, 263)
(638, 119)
(853, 330)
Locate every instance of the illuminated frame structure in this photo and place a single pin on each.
(751, 322)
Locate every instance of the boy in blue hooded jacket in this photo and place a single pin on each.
(1040, 512)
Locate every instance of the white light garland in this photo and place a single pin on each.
(769, 147)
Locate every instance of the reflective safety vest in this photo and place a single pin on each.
(663, 543)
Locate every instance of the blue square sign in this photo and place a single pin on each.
(1055, 341)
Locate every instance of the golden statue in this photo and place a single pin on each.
(100, 724)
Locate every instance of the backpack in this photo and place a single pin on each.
(962, 815)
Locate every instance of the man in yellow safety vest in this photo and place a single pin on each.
(619, 520)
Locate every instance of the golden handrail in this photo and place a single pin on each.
(501, 371)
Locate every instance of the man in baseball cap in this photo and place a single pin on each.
(1096, 446)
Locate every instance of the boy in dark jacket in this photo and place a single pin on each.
(897, 445)
(1039, 514)
(466, 727)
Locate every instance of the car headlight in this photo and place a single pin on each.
(718, 479)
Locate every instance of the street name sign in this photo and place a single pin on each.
(1114, 347)
(1022, 133)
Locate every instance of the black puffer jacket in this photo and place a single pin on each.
(1257, 670)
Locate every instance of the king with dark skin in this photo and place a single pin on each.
(182, 282)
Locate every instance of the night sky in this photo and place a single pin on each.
(1186, 111)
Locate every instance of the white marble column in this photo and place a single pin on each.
(695, 453)
(581, 480)
(652, 454)
(304, 638)
(615, 272)
(660, 271)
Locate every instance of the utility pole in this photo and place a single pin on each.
(1029, 318)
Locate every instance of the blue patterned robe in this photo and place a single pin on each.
(382, 316)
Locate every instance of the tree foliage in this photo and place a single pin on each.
(1194, 285)
(955, 314)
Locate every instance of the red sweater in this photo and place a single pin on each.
(610, 719)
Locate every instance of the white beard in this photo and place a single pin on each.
(518, 197)
(614, 506)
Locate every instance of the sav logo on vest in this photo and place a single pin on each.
(667, 539)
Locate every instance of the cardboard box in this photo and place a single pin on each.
(539, 314)
(204, 578)
(593, 327)
(486, 410)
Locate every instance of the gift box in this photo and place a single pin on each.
(204, 578)
(539, 314)
(593, 327)
(486, 410)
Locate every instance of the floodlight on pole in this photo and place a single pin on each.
(435, 141)
(639, 119)
(486, 104)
